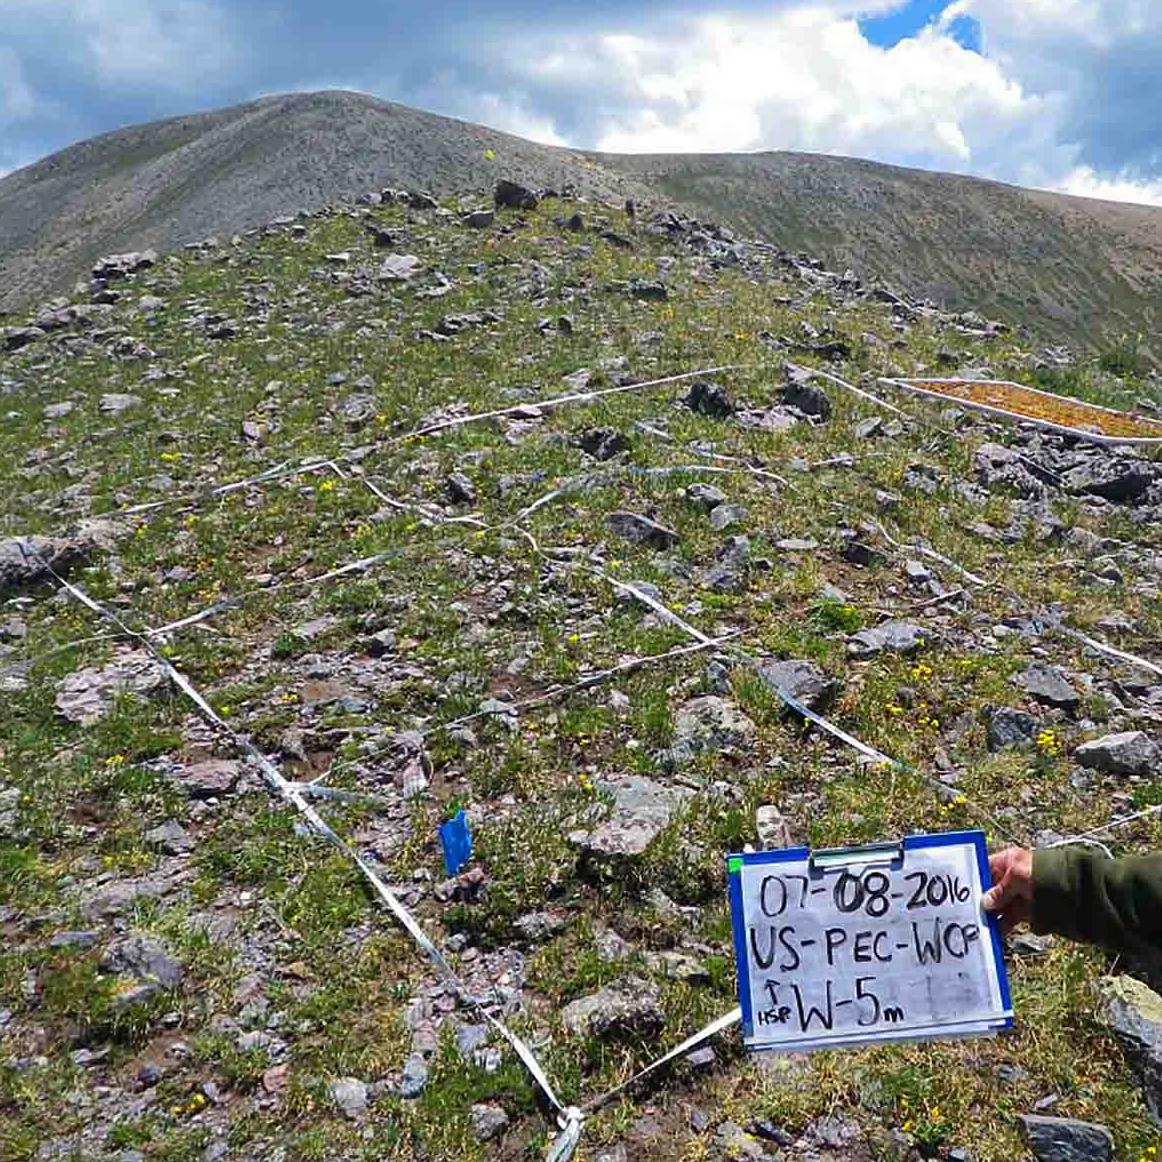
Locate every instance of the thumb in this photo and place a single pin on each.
(1000, 894)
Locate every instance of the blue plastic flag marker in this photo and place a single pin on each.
(456, 840)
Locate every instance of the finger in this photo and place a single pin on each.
(1000, 895)
(999, 863)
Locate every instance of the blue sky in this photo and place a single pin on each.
(1060, 94)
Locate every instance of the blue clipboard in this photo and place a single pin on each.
(930, 960)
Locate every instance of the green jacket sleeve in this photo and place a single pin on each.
(1084, 895)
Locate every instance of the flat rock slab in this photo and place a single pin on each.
(641, 810)
(399, 268)
(640, 529)
(898, 637)
(88, 695)
(1067, 1140)
(803, 680)
(628, 1007)
(1128, 753)
(210, 779)
(1049, 685)
(1133, 1012)
(709, 724)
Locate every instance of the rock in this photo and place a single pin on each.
(488, 1121)
(705, 496)
(537, 927)
(634, 527)
(1048, 684)
(115, 266)
(308, 631)
(802, 679)
(9, 812)
(114, 402)
(810, 399)
(1008, 728)
(353, 410)
(399, 268)
(479, 219)
(1133, 1012)
(709, 724)
(642, 808)
(211, 779)
(772, 828)
(26, 560)
(603, 443)
(1122, 481)
(80, 939)
(725, 515)
(144, 965)
(709, 399)
(731, 571)
(676, 965)
(775, 419)
(350, 1095)
(997, 465)
(1067, 1140)
(460, 489)
(858, 553)
(513, 196)
(627, 1008)
(170, 837)
(58, 411)
(1129, 753)
(900, 637)
(649, 290)
(88, 695)
(14, 338)
(414, 1078)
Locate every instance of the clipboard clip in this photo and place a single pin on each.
(828, 858)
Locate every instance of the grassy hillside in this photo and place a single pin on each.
(1082, 272)
(185, 975)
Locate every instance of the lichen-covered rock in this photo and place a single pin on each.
(642, 808)
(1067, 1140)
(1049, 685)
(88, 695)
(1129, 753)
(802, 679)
(709, 724)
(1133, 1011)
(899, 637)
(628, 1007)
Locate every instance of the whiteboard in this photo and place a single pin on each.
(864, 945)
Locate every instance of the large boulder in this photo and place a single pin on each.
(1133, 1012)
(1049, 685)
(641, 809)
(802, 679)
(88, 695)
(627, 1008)
(1128, 753)
(26, 560)
(709, 724)
(1118, 480)
(1067, 1140)
(898, 637)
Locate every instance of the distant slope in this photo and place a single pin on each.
(1071, 269)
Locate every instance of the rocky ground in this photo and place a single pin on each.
(433, 614)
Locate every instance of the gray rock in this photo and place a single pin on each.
(513, 196)
(537, 927)
(1122, 481)
(772, 828)
(730, 573)
(80, 939)
(775, 419)
(649, 290)
(14, 338)
(642, 808)
(488, 1121)
(809, 398)
(460, 489)
(705, 496)
(797, 545)
(26, 560)
(414, 1078)
(479, 219)
(1067, 1140)
(802, 679)
(900, 637)
(307, 631)
(1133, 1011)
(116, 402)
(1008, 728)
(603, 443)
(356, 409)
(350, 1095)
(635, 527)
(628, 1007)
(144, 964)
(58, 411)
(1129, 753)
(709, 724)
(114, 266)
(709, 399)
(725, 515)
(170, 837)
(399, 268)
(1048, 684)
(88, 695)
(858, 553)
(9, 812)
(210, 779)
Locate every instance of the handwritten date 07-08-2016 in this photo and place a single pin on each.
(853, 953)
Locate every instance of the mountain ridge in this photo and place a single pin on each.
(1071, 269)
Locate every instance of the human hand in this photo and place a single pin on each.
(1012, 892)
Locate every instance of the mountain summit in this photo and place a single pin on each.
(1069, 268)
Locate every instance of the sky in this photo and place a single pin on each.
(1057, 94)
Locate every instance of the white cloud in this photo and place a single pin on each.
(1085, 183)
